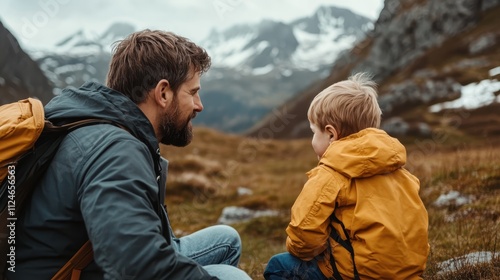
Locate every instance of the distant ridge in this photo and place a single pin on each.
(20, 76)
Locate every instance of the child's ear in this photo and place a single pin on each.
(332, 131)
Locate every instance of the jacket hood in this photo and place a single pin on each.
(364, 154)
(94, 100)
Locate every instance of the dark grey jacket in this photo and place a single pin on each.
(105, 185)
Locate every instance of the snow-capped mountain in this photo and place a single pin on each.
(255, 68)
(308, 43)
(81, 57)
(84, 43)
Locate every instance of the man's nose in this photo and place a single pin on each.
(198, 105)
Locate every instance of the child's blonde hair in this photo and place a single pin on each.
(349, 106)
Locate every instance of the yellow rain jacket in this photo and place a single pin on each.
(378, 203)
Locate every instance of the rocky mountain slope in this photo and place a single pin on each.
(20, 76)
(422, 53)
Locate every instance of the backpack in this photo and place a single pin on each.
(28, 143)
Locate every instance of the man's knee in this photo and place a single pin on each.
(230, 234)
(230, 238)
(224, 272)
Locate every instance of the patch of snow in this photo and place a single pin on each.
(244, 191)
(56, 91)
(234, 214)
(474, 95)
(368, 27)
(69, 80)
(69, 68)
(52, 77)
(239, 58)
(49, 63)
(316, 50)
(36, 54)
(452, 198)
(213, 75)
(286, 73)
(81, 43)
(274, 52)
(231, 53)
(456, 264)
(494, 71)
(262, 70)
(109, 41)
(459, 215)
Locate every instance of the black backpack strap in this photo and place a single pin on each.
(344, 243)
(336, 273)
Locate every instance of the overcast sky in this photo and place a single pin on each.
(42, 23)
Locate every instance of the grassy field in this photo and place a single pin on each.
(204, 178)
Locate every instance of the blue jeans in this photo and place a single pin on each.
(285, 266)
(216, 248)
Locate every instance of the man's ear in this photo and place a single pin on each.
(162, 93)
(332, 131)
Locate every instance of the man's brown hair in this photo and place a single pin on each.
(142, 59)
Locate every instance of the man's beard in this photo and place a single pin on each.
(173, 134)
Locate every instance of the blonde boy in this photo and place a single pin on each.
(359, 216)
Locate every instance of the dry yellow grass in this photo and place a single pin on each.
(275, 171)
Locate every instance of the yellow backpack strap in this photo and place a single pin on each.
(73, 268)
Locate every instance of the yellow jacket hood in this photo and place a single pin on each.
(365, 154)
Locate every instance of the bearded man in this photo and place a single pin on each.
(106, 182)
